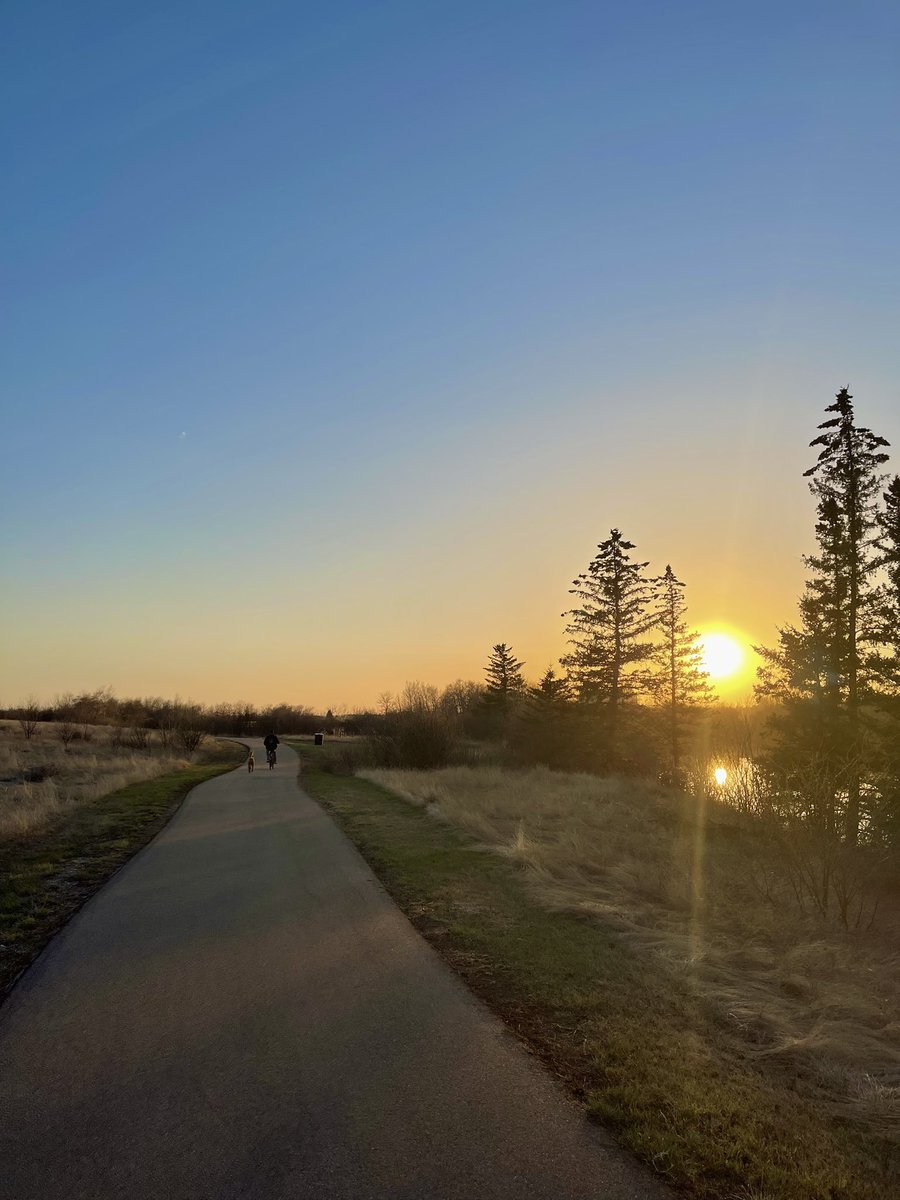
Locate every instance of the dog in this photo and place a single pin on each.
(250, 763)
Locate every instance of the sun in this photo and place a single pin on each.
(722, 655)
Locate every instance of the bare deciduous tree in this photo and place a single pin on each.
(189, 738)
(28, 717)
(67, 732)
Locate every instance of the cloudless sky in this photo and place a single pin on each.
(336, 335)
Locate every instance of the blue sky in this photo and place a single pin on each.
(336, 335)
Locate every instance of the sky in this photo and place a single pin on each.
(337, 335)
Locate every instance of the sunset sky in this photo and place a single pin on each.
(337, 335)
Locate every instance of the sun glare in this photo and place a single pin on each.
(722, 655)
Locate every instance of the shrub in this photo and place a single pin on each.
(188, 738)
(137, 738)
(347, 760)
(67, 733)
(28, 716)
(418, 739)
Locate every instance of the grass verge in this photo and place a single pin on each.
(645, 1054)
(46, 876)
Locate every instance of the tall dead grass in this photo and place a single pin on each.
(45, 775)
(678, 877)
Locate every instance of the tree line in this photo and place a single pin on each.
(84, 710)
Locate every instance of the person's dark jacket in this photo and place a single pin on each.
(270, 741)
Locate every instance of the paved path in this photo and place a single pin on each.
(243, 1012)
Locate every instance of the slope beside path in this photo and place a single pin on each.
(243, 1013)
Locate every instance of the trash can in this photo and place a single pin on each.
(319, 739)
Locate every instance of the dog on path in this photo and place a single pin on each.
(250, 763)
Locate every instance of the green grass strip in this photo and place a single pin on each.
(645, 1056)
(46, 875)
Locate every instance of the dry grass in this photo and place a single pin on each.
(678, 878)
(57, 847)
(41, 778)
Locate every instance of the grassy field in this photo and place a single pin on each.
(694, 884)
(62, 766)
(59, 847)
(628, 1019)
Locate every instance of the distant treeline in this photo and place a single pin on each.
(103, 707)
(238, 719)
(421, 726)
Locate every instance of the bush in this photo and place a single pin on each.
(137, 738)
(39, 772)
(28, 717)
(347, 760)
(416, 739)
(189, 739)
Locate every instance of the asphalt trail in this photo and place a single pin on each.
(242, 1012)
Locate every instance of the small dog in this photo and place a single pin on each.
(250, 763)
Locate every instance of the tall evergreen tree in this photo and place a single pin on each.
(504, 680)
(610, 656)
(848, 475)
(826, 659)
(682, 683)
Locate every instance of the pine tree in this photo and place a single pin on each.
(551, 692)
(549, 703)
(811, 660)
(544, 731)
(826, 660)
(505, 682)
(847, 475)
(682, 682)
(610, 656)
(813, 754)
(824, 606)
